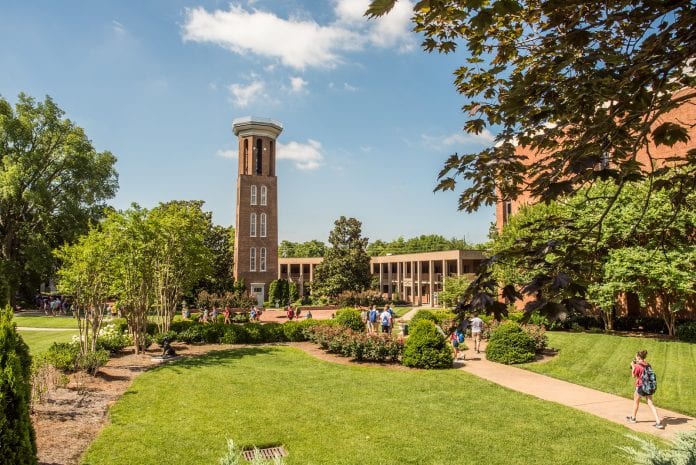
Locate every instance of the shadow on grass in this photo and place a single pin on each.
(215, 358)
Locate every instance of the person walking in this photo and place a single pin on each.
(386, 320)
(476, 330)
(372, 320)
(646, 385)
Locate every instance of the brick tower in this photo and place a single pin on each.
(256, 225)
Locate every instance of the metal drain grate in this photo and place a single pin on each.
(267, 453)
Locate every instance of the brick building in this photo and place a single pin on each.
(256, 224)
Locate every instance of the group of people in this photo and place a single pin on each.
(211, 316)
(375, 319)
(53, 305)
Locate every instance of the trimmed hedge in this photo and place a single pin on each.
(426, 347)
(687, 332)
(357, 345)
(510, 344)
(350, 318)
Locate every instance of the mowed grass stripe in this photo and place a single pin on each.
(40, 341)
(43, 321)
(333, 414)
(602, 362)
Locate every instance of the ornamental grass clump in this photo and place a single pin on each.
(510, 344)
(426, 347)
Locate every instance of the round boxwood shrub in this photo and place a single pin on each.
(426, 315)
(687, 332)
(509, 344)
(426, 347)
(350, 318)
(17, 439)
(235, 334)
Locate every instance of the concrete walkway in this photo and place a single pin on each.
(601, 404)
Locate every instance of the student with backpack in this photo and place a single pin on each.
(372, 320)
(386, 320)
(646, 385)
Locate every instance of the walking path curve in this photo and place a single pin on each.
(604, 405)
(607, 406)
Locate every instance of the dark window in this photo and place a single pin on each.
(259, 155)
(246, 156)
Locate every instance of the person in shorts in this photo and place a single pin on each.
(638, 367)
(476, 330)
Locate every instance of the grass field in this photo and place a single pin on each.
(39, 341)
(326, 413)
(45, 321)
(602, 362)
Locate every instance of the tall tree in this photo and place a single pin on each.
(17, 438)
(313, 248)
(346, 265)
(85, 274)
(52, 184)
(181, 255)
(586, 88)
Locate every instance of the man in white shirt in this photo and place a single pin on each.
(476, 329)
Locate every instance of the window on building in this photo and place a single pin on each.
(507, 211)
(253, 195)
(246, 156)
(263, 225)
(259, 156)
(252, 225)
(271, 157)
(262, 259)
(252, 259)
(264, 195)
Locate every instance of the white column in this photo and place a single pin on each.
(431, 273)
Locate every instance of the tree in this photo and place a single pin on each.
(52, 184)
(586, 89)
(607, 262)
(313, 248)
(181, 256)
(85, 275)
(17, 439)
(454, 290)
(220, 241)
(423, 243)
(346, 265)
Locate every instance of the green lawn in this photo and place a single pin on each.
(45, 321)
(332, 414)
(39, 341)
(602, 362)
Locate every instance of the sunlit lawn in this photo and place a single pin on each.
(602, 362)
(45, 321)
(39, 341)
(325, 413)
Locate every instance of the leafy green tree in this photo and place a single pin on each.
(220, 241)
(423, 243)
(85, 275)
(52, 184)
(454, 290)
(181, 255)
(313, 248)
(17, 439)
(346, 265)
(585, 88)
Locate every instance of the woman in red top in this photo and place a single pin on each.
(638, 366)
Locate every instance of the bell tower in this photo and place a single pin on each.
(256, 224)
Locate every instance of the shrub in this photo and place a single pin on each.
(681, 451)
(92, 361)
(538, 334)
(112, 340)
(17, 439)
(294, 331)
(426, 347)
(273, 332)
(350, 318)
(63, 356)
(180, 325)
(687, 332)
(254, 333)
(235, 334)
(120, 325)
(211, 333)
(358, 345)
(364, 298)
(509, 344)
(424, 315)
(159, 337)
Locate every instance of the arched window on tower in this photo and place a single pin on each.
(252, 225)
(262, 259)
(246, 156)
(264, 194)
(253, 195)
(271, 157)
(263, 225)
(259, 156)
(252, 259)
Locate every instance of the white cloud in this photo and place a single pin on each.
(227, 153)
(243, 95)
(349, 88)
(297, 84)
(301, 42)
(118, 27)
(306, 156)
(459, 138)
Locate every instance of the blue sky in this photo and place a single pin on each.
(368, 117)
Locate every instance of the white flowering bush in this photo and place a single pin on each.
(112, 340)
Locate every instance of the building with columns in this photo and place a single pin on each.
(416, 278)
(256, 224)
